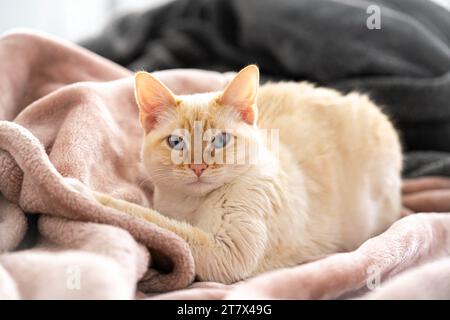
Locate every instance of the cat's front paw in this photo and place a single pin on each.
(79, 187)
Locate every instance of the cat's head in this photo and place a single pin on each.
(196, 143)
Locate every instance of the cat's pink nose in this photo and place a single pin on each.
(198, 168)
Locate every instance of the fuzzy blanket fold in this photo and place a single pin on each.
(74, 115)
(67, 112)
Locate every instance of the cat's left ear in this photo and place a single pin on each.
(241, 93)
(153, 98)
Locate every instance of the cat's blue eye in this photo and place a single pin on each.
(221, 140)
(175, 142)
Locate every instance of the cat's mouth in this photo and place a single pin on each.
(198, 183)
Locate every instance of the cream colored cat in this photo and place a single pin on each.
(334, 182)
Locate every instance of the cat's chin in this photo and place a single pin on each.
(199, 188)
(192, 189)
(199, 183)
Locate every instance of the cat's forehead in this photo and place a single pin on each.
(199, 109)
(198, 101)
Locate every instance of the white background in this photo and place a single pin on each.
(70, 19)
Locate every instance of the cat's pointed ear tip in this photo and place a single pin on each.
(252, 67)
(147, 79)
(142, 74)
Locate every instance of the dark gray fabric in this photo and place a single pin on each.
(404, 66)
(426, 163)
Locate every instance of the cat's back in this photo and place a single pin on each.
(316, 122)
(301, 107)
(347, 150)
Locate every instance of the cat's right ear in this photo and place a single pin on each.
(153, 97)
(241, 93)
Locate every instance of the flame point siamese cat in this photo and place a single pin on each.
(334, 182)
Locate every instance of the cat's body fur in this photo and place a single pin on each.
(335, 184)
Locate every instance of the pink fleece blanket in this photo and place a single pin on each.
(67, 112)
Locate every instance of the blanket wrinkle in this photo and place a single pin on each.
(13, 225)
(97, 238)
(78, 118)
(31, 157)
(123, 260)
(427, 282)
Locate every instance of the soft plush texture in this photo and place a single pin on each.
(74, 114)
(68, 112)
